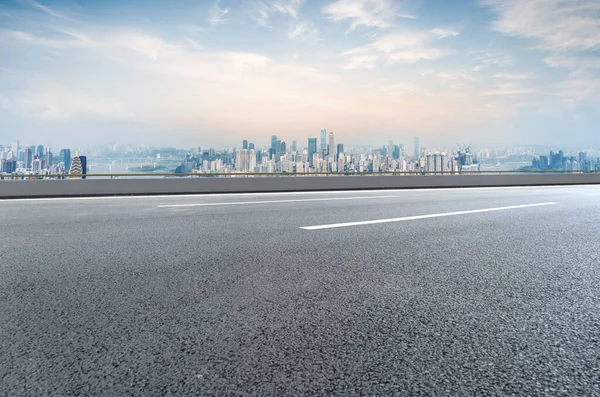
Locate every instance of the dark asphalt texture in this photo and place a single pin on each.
(119, 297)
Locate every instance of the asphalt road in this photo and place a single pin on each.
(150, 296)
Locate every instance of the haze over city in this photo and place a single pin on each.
(214, 72)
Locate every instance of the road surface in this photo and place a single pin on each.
(419, 292)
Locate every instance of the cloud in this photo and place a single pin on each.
(362, 61)
(579, 63)
(398, 89)
(55, 102)
(557, 25)
(289, 7)
(303, 31)
(568, 29)
(443, 33)
(149, 46)
(575, 90)
(514, 76)
(508, 89)
(397, 47)
(494, 59)
(216, 15)
(457, 76)
(261, 10)
(47, 10)
(369, 13)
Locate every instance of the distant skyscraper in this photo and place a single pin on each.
(83, 160)
(250, 146)
(49, 158)
(429, 163)
(36, 165)
(273, 145)
(282, 149)
(65, 156)
(76, 167)
(312, 149)
(294, 146)
(443, 163)
(40, 151)
(27, 157)
(15, 149)
(324, 141)
(331, 147)
(244, 144)
(395, 152)
(252, 160)
(417, 150)
(340, 148)
(8, 166)
(390, 148)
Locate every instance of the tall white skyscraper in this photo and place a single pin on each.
(324, 140)
(331, 150)
(15, 149)
(252, 160)
(238, 160)
(417, 150)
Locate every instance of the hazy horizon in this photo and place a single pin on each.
(211, 73)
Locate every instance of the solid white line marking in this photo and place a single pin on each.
(273, 201)
(411, 218)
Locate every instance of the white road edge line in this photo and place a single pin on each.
(366, 191)
(412, 218)
(273, 201)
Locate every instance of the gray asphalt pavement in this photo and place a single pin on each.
(153, 296)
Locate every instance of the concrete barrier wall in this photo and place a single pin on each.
(120, 187)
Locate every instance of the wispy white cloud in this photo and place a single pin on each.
(514, 76)
(303, 31)
(261, 10)
(508, 89)
(577, 64)
(568, 29)
(46, 9)
(397, 47)
(443, 33)
(54, 102)
(289, 7)
(360, 59)
(398, 88)
(457, 76)
(370, 13)
(557, 25)
(146, 45)
(494, 59)
(216, 15)
(574, 90)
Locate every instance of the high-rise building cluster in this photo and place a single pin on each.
(37, 160)
(561, 162)
(321, 154)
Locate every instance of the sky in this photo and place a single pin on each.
(211, 73)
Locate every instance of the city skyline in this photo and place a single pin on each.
(178, 73)
(280, 156)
